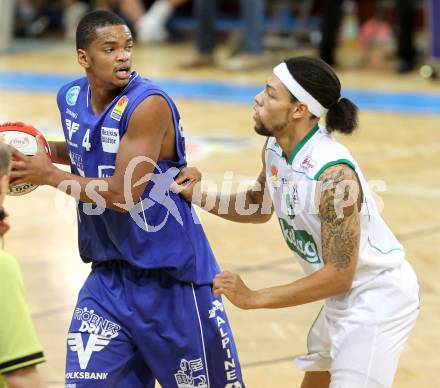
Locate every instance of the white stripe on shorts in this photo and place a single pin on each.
(201, 334)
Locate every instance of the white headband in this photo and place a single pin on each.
(283, 73)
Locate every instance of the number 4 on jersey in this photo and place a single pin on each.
(86, 141)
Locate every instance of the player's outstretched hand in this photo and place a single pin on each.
(188, 183)
(232, 286)
(31, 169)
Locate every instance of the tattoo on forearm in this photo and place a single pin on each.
(338, 210)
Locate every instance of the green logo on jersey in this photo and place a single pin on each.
(300, 242)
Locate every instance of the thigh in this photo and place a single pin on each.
(100, 352)
(369, 354)
(316, 380)
(369, 343)
(318, 357)
(185, 337)
(354, 360)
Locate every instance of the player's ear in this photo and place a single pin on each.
(299, 110)
(83, 58)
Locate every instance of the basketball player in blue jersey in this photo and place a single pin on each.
(329, 219)
(146, 312)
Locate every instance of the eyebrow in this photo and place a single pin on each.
(129, 40)
(268, 86)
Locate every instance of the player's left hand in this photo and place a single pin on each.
(232, 286)
(35, 169)
(187, 183)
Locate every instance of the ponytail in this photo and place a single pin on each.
(320, 80)
(342, 116)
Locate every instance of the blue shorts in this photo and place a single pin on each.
(131, 327)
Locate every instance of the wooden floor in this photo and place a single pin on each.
(402, 150)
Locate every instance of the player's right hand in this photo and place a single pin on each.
(36, 169)
(187, 183)
(233, 287)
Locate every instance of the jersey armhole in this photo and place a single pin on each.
(60, 93)
(333, 163)
(175, 117)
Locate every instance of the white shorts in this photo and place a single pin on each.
(358, 336)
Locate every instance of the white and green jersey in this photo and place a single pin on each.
(293, 183)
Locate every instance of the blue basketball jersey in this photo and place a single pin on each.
(162, 230)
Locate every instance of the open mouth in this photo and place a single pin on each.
(123, 72)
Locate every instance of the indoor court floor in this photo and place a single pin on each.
(397, 146)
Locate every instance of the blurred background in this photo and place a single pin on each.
(213, 57)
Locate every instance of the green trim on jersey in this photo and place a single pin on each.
(384, 253)
(371, 244)
(271, 149)
(302, 143)
(333, 163)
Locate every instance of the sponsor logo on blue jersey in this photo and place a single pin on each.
(77, 161)
(72, 95)
(110, 139)
(191, 374)
(70, 113)
(72, 127)
(119, 108)
(106, 171)
(101, 331)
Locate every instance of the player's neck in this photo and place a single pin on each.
(293, 135)
(101, 97)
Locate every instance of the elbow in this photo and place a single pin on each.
(120, 205)
(341, 281)
(120, 201)
(117, 208)
(343, 285)
(261, 218)
(339, 277)
(116, 201)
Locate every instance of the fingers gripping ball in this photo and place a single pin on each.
(23, 138)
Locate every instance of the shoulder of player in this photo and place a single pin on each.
(321, 155)
(80, 83)
(338, 173)
(154, 106)
(153, 112)
(338, 194)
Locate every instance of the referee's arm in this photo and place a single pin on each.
(27, 377)
(20, 350)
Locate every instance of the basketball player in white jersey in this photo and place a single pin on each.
(330, 221)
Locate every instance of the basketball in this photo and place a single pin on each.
(23, 138)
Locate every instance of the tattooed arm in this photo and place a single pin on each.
(340, 199)
(339, 206)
